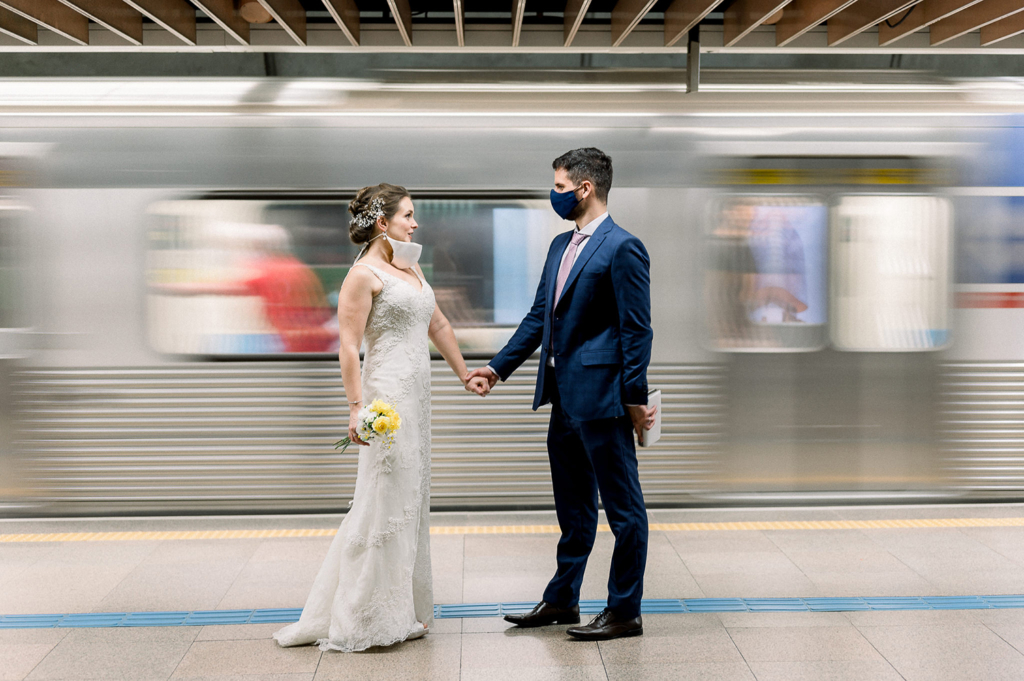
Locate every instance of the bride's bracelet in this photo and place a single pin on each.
(356, 402)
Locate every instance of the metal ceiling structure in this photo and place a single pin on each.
(648, 26)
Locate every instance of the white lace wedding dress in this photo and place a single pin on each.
(374, 588)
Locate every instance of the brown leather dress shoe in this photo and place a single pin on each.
(607, 626)
(545, 614)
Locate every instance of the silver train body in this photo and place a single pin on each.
(99, 418)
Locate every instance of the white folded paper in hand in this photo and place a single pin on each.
(653, 434)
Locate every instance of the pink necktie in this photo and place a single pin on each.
(567, 263)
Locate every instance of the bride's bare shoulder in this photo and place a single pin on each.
(362, 280)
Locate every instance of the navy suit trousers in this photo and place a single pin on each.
(587, 458)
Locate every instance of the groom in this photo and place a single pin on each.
(592, 321)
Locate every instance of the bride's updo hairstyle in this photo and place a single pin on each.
(379, 200)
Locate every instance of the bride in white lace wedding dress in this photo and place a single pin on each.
(374, 588)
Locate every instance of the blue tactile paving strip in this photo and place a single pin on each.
(151, 619)
(685, 605)
(467, 610)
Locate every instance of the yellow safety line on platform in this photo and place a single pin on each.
(759, 525)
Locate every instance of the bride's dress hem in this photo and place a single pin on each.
(325, 643)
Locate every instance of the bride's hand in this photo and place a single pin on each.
(353, 429)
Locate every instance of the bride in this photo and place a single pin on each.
(374, 588)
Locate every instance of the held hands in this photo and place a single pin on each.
(642, 417)
(480, 381)
(476, 385)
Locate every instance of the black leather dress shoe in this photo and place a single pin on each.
(607, 626)
(545, 614)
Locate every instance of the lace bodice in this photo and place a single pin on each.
(396, 335)
(399, 309)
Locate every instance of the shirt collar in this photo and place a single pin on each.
(592, 226)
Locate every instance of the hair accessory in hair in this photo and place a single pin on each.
(367, 218)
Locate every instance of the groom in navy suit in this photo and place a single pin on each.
(591, 320)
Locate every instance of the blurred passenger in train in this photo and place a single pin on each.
(780, 287)
(263, 266)
(293, 298)
(756, 277)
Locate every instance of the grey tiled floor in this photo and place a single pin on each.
(253, 573)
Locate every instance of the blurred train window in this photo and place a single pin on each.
(255, 277)
(891, 267)
(765, 285)
(990, 247)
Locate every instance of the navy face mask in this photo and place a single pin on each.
(564, 203)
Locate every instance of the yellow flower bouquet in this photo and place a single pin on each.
(378, 420)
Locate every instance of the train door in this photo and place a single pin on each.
(828, 282)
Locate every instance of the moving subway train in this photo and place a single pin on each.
(837, 280)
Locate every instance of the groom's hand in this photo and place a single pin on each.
(483, 373)
(642, 417)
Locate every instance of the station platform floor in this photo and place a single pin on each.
(919, 593)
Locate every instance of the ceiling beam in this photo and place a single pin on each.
(460, 23)
(801, 16)
(863, 15)
(682, 15)
(224, 13)
(518, 10)
(403, 18)
(923, 16)
(176, 16)
(1003, 29)
(575, 10)
(626, 15)
(18, 27)
(346, 15)
(971, 19)
(290, 15)
(52, 15)
(112, 15)
(743, 16)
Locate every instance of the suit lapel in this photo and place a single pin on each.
(595, 242)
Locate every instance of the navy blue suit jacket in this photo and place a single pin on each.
(600, 331)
